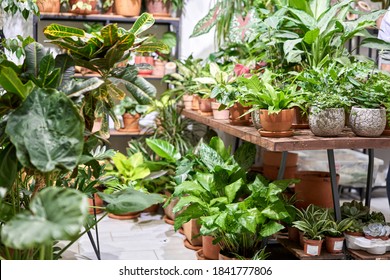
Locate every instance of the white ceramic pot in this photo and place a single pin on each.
(328, 122)
(367, 122)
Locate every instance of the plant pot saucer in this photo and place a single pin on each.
(188, 245)
(386, 132)
(181, 231)
(127, 216)
(168, 220)
(275, 134)
(200, 256)
(161, 15)
(300, 126)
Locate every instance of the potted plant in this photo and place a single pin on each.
(376, 231)
(84, 7)
(131, 113)
(107, 6)
(162, 8)
(334, 234)
(312, 222)
(52, 6)
(275, 102)
(368, 114)
(128, 8)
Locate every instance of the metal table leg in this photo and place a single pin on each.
(370, 176)
(333, 180)
(96, 247)
(282, 166)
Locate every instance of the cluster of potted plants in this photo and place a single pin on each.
(295, 59)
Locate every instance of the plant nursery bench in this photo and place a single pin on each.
(303, 139)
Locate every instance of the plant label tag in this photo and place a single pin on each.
(312, 250)
(338, 245)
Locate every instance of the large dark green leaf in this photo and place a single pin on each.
(245, 155)
(66, 64)
(8, 166)
(129, 200)
(219, 146)
(55, 214)
(47, 131)
(35, 52)
(210, 157)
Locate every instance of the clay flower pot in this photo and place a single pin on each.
(312, 247)
(195, 102)
(236, 115)
(205, 107)
(219, 114)
(128, 8)
(49, 6)
(157, 8)
(276, 125)
(131, 123)
(187, 100)
(334, 245)
(210, 251)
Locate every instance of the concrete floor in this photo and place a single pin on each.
(150, 238)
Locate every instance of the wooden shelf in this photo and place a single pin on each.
(303, 139)
(114, 132)
(91, 75)
(363, 255)
(297, 250)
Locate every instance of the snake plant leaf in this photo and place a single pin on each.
(54, 214)
(143, 23)
(10, 81)
(8, 166)
(164, 149)
(129, 200)
(47, 131)
(58, 31)
(206, 23)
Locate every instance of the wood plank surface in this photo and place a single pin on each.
(303, 139)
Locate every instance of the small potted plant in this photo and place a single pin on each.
(131, 112)
(376, 231)
(162, 8)
(275, 102)
(334, 234)
(312, 222)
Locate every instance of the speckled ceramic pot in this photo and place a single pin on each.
(328, 122)
(367, 122)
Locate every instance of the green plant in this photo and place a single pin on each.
(107, 4)
(376, 230)
(128, 105)
(337, 228)
(84, 6)
(25, 7)
(265, 92)
(355, 210)
(312, 221)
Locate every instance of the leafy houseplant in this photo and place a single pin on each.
(131, 112)
(334, 234)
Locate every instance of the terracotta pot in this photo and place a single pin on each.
(159, 68)
(210, 251)
(219, 114)
(85, 11)
(98, 202)
(300, 119)
(152, 209)
(301, 237)
(144, 64)
(131, 123)
(191, 232)
(354, 233)
(157, 8)
(205, 107)
(224, 257)
(293, 234)
(367, 122)
(187, 100)
(195, 102)
(277, 122)
(312, 247)
(271, 165)
(49, 6)
(328, 122)
(168, 210)
(271, 172)
(334, 245)
(125, 216)
(236, 115)
(314, 188)
(128, 8)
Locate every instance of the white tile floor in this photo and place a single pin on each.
(150, 238)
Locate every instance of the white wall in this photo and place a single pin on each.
(200, 46)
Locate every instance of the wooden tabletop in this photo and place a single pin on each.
(303, 139)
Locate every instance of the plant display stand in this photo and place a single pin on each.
(297, 250)
(302, 140)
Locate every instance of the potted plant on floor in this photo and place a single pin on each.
(275, 102)
(312, 222)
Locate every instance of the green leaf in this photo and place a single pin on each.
(8, 166)
(245, 155)
(218, 145)
(206, 23)
(75, 89)
(164, 149)
(375, 43)
(152, 47)
(54, 214)
(143, 23)
(232, 189)
(187, 200)
(129, 200)
(35, 52)
(210, 157)
(189, 188)
(311, 36)
(191, 212)
(110, 34)
(56, 31)
(10, 81)
(47, 131)
(270, 228)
